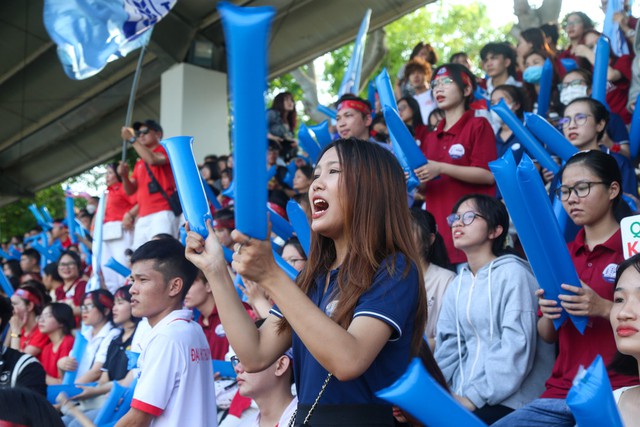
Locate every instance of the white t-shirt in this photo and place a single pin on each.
(436, 280)
(176, 375)
(97, 346)
(427, 105)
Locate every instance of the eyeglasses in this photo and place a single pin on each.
(579, 119)
(142, 131)
(577, 82)
(67, 264)
(466, 218)
(581, 190)
(87, 307)
(234, 361)
(444, 81)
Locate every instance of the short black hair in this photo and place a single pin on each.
(31, 253)
(52, 270)
(504, 49)
(25, 407)
(551, 30)
(169, 260)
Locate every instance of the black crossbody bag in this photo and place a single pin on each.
(174, 200)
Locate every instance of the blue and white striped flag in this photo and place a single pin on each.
(91, 33)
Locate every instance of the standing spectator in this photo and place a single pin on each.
(575, 25)
(551, 36)
(117, 228)
(177, 388)
(155, 215)
(423, 51)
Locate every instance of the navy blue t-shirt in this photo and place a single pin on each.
(391, 298)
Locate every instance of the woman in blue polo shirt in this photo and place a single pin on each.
(356, 315)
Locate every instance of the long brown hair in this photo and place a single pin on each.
(377, 226)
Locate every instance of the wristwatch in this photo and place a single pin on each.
(132, 139)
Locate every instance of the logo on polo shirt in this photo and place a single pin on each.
(220, 331)
(609, 273)
(456, 151)
(331, 307)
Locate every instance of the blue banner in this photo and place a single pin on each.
(91, 33)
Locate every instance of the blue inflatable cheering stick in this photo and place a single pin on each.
(189, 183)
(544, 94)
(420, 395)
(247, 30)
(545, 132)
(590, 398)
(600, 66)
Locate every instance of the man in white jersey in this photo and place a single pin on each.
(175, 384)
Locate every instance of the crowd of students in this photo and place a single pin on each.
(443, 278)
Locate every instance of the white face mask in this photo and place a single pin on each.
(572, 92)
(495, 118)
(91, 209)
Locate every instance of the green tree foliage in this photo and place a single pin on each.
(449, 28)
(16, 219)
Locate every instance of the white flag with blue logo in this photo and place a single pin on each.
(91, 33)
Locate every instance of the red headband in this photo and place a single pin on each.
(224, 223)
(356, 105)
(103, 299)
(4, 423)
(28, 295)
(444, 72)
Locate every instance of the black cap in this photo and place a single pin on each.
(151, 124)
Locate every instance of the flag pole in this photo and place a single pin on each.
(132, 98)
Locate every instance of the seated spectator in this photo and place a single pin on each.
(98, 316)
(353, 119)
(51, 279)
(28, 302)
(30, 265)
(577, 84)
(281, 124)
(423, 51)
(418, 74)
(223, 224)
(21, 407)
(434, 262)
(57, 323)
(17, 369)
(303, 178)
(625, 318)
(532, 76)
(12, 271)
(161, 279)
(488, 317)
(226, 176)
(575, 25)
(200, 297)
(505, 138)
(73, 288)
(116, 365)
(499, 62)
(410, 113)
(270, 390)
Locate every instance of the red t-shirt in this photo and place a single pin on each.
(35, 338)
(470, 142)
(49, 358)
(597, 269)
(118, 203)
(75, 293)
(151, 203)
(215, 334)
(618, 91)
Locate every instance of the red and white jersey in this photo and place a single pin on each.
(176, 374)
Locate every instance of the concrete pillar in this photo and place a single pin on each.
(193, 101)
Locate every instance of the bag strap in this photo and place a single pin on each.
(153, 178)
(23, 362)
(313, 407)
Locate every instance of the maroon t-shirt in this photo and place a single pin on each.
(215, 334)
(470, 142)
(596, 268)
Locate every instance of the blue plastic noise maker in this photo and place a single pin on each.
(190, 189)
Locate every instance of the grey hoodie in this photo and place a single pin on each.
(487, 343)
